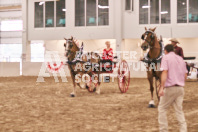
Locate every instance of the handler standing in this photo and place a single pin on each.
(171, 91)
(178, 50)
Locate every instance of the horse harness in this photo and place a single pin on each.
(77, 59)
(152, 38)
(147, 59)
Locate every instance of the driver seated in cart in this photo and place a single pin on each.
(107, 55)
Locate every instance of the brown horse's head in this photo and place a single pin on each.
(70, 47)
(149, 38)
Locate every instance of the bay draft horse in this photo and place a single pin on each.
(76, 59)
(153, 58)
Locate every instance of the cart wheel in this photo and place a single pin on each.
(91, 86)
(123, 76)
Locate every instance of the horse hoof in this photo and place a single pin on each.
(151, 106)
(98, 91)
(72, 95)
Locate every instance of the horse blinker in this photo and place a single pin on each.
(142, 37)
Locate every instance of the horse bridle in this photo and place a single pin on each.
(152, 38)
(68, 51)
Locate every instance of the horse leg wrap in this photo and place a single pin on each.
(151, 104)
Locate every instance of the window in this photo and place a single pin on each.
(129, 5)
(181, 11)
(10, 52)
(60, 13)
(11, 25)
(165, 11)
(185, 13)
(45, 13)
(154, 12)
(79, 12)
(49, 14)
(91, 12)
(151, 13)
(193, 11)
(38, 14)
(143, 12)
(103, 12)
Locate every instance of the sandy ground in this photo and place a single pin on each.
(29, 106)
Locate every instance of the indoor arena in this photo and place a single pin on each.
(98, 65)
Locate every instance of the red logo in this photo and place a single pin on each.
(54, 67)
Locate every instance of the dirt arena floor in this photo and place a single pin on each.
(28, 106)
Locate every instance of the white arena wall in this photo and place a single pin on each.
(9, 69)
(34, 68)
(96, 45)
(189, 46)
(31, 68)
(89, 45)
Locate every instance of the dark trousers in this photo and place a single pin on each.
(188, 68)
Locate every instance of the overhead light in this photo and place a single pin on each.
(64, 9)
(41, 3)
(145, 6)
(183, 3)
(164, 12)
(103, 7)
